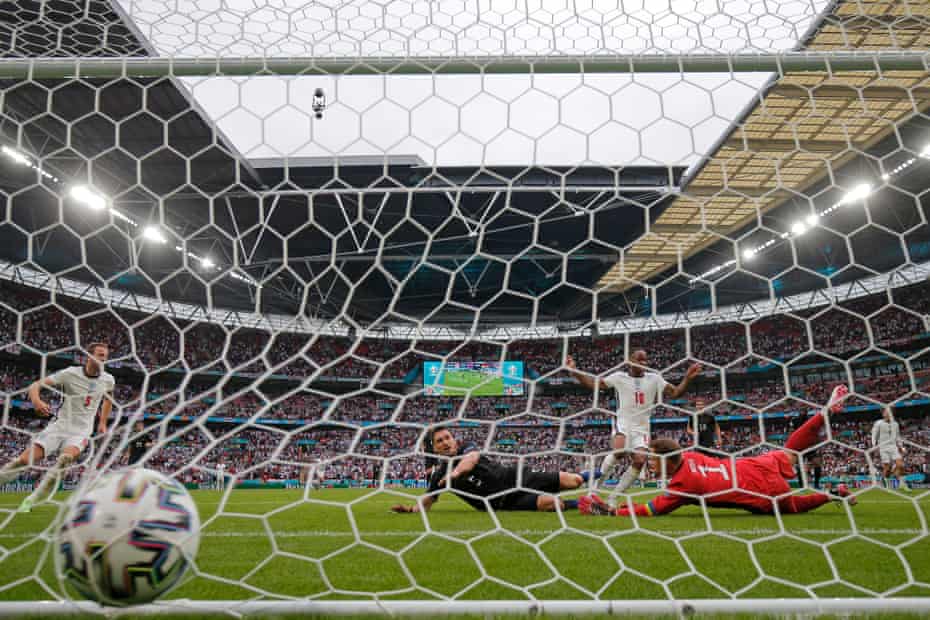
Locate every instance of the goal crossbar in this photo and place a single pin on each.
(52, 68)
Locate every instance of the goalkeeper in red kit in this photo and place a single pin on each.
(756, 483)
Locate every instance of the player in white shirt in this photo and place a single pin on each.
(82, 389)
(886, 437)
(638, 392)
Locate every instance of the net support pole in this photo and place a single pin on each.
(447, 608)
(58, 68)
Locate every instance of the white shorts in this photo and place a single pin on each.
(889, 454)
(637, 435)
(55, 439)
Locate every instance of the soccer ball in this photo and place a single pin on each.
(128, 538)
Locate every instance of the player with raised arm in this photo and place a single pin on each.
(82, 389)
(638, 392)
(475, 477)
(886, 438)
(756, 483)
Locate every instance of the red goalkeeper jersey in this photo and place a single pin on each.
(749, 484)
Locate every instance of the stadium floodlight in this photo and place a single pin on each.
(749, 253)
(16, 156)
(811, 220)
(798, 228)
(857, 193)
(206, 263)
(153, 234)
(88, 197)
(926, 152)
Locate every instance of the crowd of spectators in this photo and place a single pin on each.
(362, 434)
(155, 342)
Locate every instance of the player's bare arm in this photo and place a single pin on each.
(674, 391)
(467, 464)
(35, 396)
(584, 378)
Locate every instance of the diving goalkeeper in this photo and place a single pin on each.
(486, 484)
(755, 483)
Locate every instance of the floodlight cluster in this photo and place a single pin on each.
(91, 199)
(800, 227)
(24, 160)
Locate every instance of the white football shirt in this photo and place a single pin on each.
(885, 434)
(636, 396)
(81, 397)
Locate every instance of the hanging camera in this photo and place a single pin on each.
(319, 103)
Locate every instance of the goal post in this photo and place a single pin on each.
(313, 235)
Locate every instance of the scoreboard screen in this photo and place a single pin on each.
(475, 378)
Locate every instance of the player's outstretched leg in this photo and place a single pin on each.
(628, 477)
(617, 444)
(809, 433)
(804, 503)
(14, 468)
(50, 482)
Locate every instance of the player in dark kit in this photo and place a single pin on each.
(139, 444)
(484, 483)
(707, 433)
(755, 483)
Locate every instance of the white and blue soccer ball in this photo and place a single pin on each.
(128, 538)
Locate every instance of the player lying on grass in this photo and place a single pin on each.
(483, 482)
(754, 483)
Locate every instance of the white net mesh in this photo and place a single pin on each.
(276, 254)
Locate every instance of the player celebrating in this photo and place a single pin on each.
(754, 483)
(638, 392)
(82, 388)
(476, 477)
(886, 437)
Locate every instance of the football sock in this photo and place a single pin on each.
(606, 469)
(47, 486)
(806, 436)
(627, 479)
(586, 475)
(570, 504)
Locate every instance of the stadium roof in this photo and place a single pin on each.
(240, 188)
(802, 128)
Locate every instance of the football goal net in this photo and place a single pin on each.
(470, 306)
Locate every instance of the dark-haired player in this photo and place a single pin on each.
(82, 388)
(484, 483)
(756, 484)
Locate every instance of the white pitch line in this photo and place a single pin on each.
(468, 533)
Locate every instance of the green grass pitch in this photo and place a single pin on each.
(682, 555)
(458, 383)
